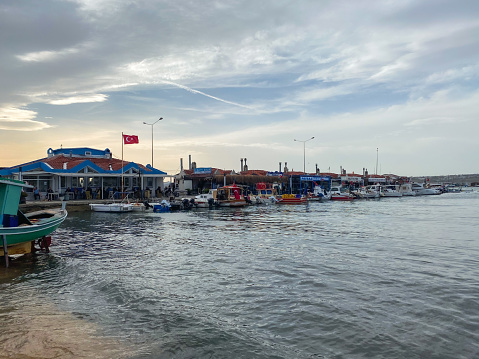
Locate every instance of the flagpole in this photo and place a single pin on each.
(122, 162)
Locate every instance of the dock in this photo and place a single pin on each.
(77, 205)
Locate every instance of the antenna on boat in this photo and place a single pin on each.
(377, 156)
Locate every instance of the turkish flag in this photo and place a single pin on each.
(129, 139)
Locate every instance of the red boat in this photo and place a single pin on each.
(342, 197)
(341, 194)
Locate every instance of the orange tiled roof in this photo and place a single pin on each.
(254, 173)
(57, 162)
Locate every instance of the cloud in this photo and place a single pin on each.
(41, 56)
(79, 99)
(16, 119)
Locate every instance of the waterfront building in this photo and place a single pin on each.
(199, 178)
(375, 179)
(79, 169)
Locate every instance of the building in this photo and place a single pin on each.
(80, 168)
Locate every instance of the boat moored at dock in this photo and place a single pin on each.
(111, 207)
(18, 229)
(292, 199)
(422, 190)
(391, 191)
(230, 196)
(341, 194)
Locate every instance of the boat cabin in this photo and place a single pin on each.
(229, 193)
(265, 190)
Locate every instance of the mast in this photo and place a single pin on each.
(121, 190)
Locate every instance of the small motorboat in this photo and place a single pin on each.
(341, 194)
(111, 207)
(292, 199)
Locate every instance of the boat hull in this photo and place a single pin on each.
(232, 203)
(202, 204)
(392, 194)
(112, 207)
(341, 198)
(28, 233)
(292, 199)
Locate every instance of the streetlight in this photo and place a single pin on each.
(304, 152)
(152, 124)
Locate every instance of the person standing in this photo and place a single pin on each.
(36, 193)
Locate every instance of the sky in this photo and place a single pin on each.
(390, 86)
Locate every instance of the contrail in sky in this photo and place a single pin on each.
(205, 94)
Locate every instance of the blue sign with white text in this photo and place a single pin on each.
(202, 170)
(314, 178)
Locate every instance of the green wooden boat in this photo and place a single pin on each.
(16, 227)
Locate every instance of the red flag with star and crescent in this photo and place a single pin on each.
(130, 139)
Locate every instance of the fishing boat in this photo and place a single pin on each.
(292, 199)
(422, 190)
(230, 196)
(368, 192)
(391, 190)
(341, 194)
(266, 194)
(205, 200)
(17, 229)
(406, 189)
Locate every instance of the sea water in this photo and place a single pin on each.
(388, 278)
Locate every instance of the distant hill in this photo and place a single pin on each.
(467, 179)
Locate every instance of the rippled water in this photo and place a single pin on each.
(394, 278)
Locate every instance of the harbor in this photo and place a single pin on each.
(239, 179)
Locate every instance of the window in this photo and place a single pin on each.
(94, 181)
(110, 182)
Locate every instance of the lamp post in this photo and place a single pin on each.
(304, 152)
(152, 124)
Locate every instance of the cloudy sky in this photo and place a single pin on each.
(393, 81)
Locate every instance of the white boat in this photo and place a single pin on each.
(406, 189)
(206, 199)
(368, 192)
(319, 194)
(391, 190)
(111, 207)
(341, 194)
(422, 191)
